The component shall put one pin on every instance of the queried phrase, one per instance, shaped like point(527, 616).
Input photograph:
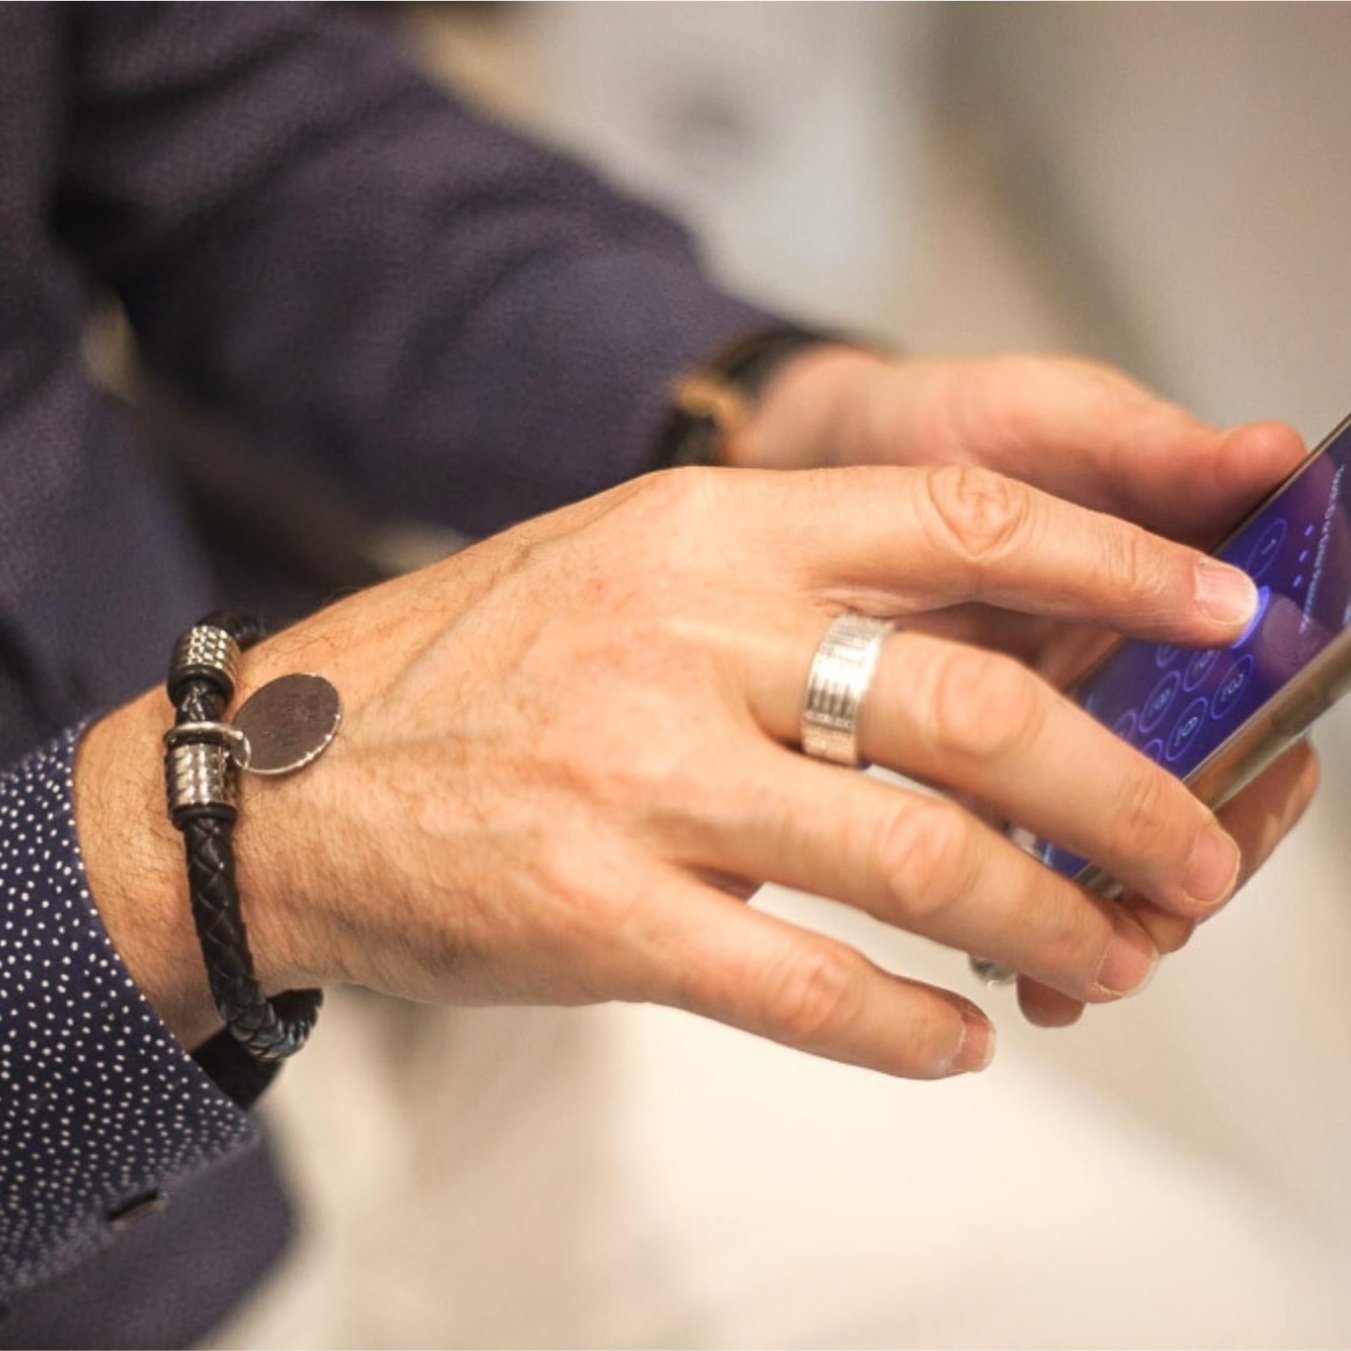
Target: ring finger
point(1259, 817)
point(920, 863)
point(981, 724)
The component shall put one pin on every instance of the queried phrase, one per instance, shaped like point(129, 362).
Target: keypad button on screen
point(1159, 699)
point(1267, 547)
point(1188, 725)
point(1199, 667)
point(1232, 687)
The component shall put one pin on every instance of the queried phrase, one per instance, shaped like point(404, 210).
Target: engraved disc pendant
point(287, 723)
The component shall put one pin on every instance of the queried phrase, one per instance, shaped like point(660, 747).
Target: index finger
point(899, 540)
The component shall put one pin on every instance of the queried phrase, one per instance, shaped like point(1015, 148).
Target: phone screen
point(1177, 705)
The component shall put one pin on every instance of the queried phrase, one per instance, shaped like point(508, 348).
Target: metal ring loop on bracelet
point(215, 733)
point(841, 672)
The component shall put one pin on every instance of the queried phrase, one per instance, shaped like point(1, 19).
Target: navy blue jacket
point(330, 255)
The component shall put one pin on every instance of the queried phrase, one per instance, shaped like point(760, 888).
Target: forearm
point(460, 321)
point(135, 865)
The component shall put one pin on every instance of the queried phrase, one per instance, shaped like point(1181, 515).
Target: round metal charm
point(288, 722)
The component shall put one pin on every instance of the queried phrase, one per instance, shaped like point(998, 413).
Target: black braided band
point(201, 685)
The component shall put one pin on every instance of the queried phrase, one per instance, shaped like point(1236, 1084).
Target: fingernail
point(1129, 963)
point(1212, 869)
point(976, 1049)
point(1224, 593)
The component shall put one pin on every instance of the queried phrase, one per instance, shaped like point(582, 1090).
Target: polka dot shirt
point(99, 1105)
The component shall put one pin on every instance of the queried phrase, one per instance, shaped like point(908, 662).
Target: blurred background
point(1163, 187)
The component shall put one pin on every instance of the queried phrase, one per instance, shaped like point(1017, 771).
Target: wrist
point(137, 871)
point(133, 860)
point(811, 412)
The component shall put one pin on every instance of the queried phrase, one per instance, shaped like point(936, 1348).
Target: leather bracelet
point(203, 759)
point(713, 402)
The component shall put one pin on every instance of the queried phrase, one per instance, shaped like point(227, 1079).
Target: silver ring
point(841, 671)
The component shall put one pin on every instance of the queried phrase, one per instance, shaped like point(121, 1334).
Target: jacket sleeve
point(313, 240)
point(101, 1110)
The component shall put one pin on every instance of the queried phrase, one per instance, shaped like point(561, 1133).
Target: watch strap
point(712, 402)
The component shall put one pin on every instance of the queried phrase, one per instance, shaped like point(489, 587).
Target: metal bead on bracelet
point(281, 728)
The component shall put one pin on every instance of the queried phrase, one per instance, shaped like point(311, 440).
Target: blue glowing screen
point(1176, 704)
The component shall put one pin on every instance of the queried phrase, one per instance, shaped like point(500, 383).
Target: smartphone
point(1215, 717)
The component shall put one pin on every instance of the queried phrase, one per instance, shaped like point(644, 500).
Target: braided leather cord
point(268, 1030)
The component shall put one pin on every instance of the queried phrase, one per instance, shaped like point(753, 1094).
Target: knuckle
point(976, 513)
point(1072, 934)
point(670, 516)
point(1144, 814)
point(1134, 564)
point(816, 995)
point(689, 489)
point(982, 706)
point(1066, 932)
point(924, 858)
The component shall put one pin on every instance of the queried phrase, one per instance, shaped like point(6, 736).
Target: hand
point(565, 761)
point(1073, 428)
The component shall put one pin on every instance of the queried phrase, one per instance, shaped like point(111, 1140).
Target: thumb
point(1089, 434)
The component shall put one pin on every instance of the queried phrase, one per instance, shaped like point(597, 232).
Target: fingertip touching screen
point(1177, 705)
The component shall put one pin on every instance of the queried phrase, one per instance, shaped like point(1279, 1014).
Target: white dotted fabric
point(98, 1102)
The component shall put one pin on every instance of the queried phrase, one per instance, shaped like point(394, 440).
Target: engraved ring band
point(841, 672)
